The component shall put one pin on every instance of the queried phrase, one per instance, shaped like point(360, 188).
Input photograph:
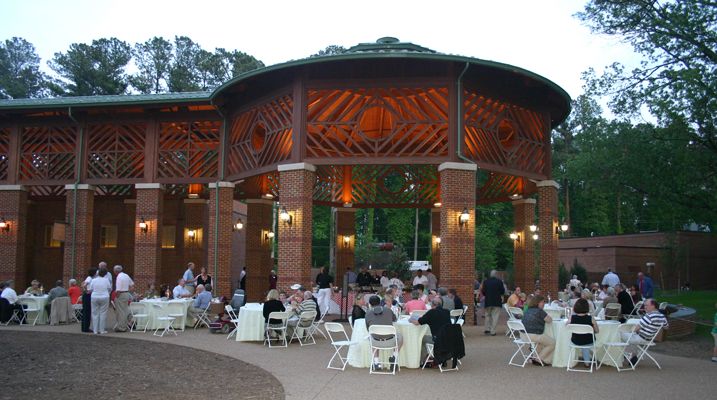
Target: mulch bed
point(39, 365)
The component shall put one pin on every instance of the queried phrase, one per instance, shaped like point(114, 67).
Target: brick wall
point(547, 222)
point(435, 246)
point(221, 253)
point(259, 217)
point(13, 207)
point(296, 189)
point(524, 248)
point(345, 227)
point(147, 245)
point(457, 256)
point(78, 246)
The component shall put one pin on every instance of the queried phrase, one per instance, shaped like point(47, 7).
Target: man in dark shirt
point(625, 301)
point(493, 290)
point(324, 280)
point(457, 302)
point(436, 318)
point(364, 278)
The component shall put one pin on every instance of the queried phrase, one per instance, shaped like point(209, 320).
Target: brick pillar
point(259, 219)
point(219, 251)
point(78, 233)
point(345, 228)
point(547, 222)
point(524, 246)
point(296, 189)
point(458, 192)
point(148, 245)
point(436, 242)
point(13, 209)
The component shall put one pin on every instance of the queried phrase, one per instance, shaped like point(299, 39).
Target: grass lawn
point(701, 300)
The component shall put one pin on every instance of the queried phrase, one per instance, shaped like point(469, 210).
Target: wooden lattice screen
point(47, 153)
point(4, 152)
point(115, 151)
point(188, 149)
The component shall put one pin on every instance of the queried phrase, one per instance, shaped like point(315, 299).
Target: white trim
point(524, 201)
point(80, 186)
point(547, 183)
point(213, 185)
point(14, 188)
point(148, 186)
point(294, 167)
point(456, 165)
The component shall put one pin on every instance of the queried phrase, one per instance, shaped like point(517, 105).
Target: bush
point(563, 276)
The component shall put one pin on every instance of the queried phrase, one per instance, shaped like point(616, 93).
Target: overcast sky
point(542, 36)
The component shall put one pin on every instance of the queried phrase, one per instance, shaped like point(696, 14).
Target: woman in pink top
point(415, 304)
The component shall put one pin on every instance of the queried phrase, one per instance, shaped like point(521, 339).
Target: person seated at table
point(534, 320)
point(202, 300)
point(635, 294)
point(57, 291)
point(581, 316)
point(165, 292)
point(358, 310)
point(151, 292)
point(35, 288)
point(308, 304)
point(380, 315)
point(514, 299)
point(272, 304)
point(602, 293)
point(457, 301)
point(415, 304)
point(623, 297)
point(388, 299)
point(436, 318)
point(588, 296)
point(74, 291)
point(447, 301)
point(180, 291)
point(9, 294)
point(396, 282)
point(283, 299)
point(649, 325)
point(431, 295)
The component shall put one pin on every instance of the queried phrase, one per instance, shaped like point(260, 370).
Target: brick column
point(259, 218)
point(547, 222)
point(436, 242)
point(345, 228)
point(148, 245)
point(524, 246)
point(219, 251)
point(78, 234)
point(296, 189)
point(458, 192)
point(13, 209)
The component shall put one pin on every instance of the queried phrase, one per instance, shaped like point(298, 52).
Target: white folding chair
point(139, 314)
point(418, 314)
point(338, 329)
point(304, 328)
point(580, 329)
point(465, 310)
point(430, 357)
point(277, 328)
point(164, 319)
point(643, 346)
point(526, 347)
point(388, 341)
point(456, 315)
point(618, 347)
point(233, 319)
point(612, 311)
point(77, 309)
point(31, 307)
point(316, 325)
point(177, 311)
point(203, 317)
point(15, 317)
point(636, 310)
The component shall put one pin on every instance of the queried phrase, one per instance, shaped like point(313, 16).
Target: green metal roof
point(108, 100)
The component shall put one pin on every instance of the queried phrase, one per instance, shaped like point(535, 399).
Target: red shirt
point(75, 292)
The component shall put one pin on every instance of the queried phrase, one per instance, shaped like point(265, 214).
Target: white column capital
point(139, 186)
point(213, 185)
point(547, 184)
point(13, 188)
point(456, 165)
point(297, 166)
point(524, 201)
point(80, 186)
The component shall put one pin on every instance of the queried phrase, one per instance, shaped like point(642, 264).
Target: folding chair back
point(515, 312)
point(139, 315)
point(580, 329)
point(612, 311)
point(277, 328)
point(339, 339)
point(637, 308)
point(230, 311)
point(526, 347)
point(383, 337)
point(456, 315)
point(304, 331)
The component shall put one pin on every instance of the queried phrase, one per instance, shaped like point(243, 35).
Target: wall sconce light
point(285, 217)
point(464, 217)
point(437, 204)
point(533, 228)
point(535, 236)
point(239, 225)
point(4, 225)
point(143, 227)
point(267, 196)
point(347, 241)
point(268, 235)
point(192, 234)
point(515, 236)
point(437, 241)
point(561, 228)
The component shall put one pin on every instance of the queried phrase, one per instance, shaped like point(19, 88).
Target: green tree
point(330, 50)
point(20, 75)
point(183, 73)
point(95, 69)
point(153, 59)
point(493, 247)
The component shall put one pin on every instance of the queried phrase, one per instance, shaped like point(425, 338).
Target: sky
point(542, 36)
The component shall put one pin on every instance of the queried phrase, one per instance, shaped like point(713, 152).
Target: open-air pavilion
point(150, 181)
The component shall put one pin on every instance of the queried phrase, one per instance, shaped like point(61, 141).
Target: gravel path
point(69, 366)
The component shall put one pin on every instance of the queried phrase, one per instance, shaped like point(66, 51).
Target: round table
point(409, 356)
point(179, 306)
point(36, 302)
point(251, 323)
point(607, 332)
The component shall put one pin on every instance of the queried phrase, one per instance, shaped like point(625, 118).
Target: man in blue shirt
point(645, 285)
point(204, 297)
point(189, 280)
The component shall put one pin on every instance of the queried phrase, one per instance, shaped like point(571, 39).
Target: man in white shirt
point(103, 265)
point(610, 279)
point(432, 280)
point(9, 294)
point(420, 279)
point(189, 279)
point(179, 291)
point(122, 287)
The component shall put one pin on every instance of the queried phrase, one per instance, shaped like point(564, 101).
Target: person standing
point(203, 278)
point(123, 284)
point(242, 279)
point(100, 298)
point(190, 281)
point(493, 290)
point(432, 280)
point(610, 279)
point(420, 279)
point(324, 280)
point(644, 283)
point(87, 301)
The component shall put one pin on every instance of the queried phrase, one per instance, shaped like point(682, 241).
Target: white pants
point(324, 300)
point(99, 313)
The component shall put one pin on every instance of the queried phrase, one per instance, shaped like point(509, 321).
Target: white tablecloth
point(251, 323)
point(608, 332)
point(179, 306)
point(38, 302)
point(410, 355)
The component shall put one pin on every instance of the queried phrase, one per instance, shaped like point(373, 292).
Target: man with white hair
point(204, 297)
point(103, 265)
point(493, 290)
point(611, 279)
point(123, 285)
point(179, 291)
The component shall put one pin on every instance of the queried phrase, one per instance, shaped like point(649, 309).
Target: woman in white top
point(101, 289)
